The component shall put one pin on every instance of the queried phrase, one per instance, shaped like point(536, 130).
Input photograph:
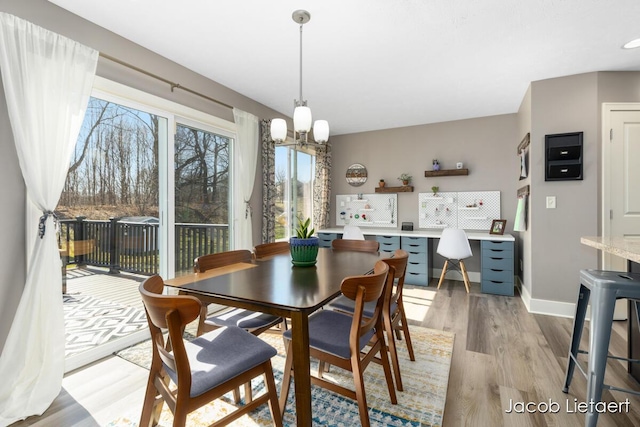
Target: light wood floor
point(501, 352)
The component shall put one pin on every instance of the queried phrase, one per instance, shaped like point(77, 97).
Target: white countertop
point(625, 248)
point(472, 235)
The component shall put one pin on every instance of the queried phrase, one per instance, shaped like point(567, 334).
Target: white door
point(623, 171)
point(621, 180)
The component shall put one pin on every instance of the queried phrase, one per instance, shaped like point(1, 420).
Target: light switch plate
point(551, 202)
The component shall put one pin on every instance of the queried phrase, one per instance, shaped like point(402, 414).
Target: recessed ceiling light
point(632, 44)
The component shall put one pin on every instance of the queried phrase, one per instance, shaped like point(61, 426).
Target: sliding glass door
point(201, 193)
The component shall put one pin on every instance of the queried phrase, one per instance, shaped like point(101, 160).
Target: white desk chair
point(454, 246)
point(352, 232)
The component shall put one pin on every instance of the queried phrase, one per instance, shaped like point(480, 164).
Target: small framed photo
point(498, 226)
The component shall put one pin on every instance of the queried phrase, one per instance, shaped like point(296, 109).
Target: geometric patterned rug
point(90, 322)
point(420, 404)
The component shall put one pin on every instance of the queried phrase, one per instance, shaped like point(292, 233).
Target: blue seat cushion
point(329, 332)
point(245, 319)
point(220, 355)
point(343, 303)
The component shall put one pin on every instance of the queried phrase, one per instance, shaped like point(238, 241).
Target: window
point(294, 179)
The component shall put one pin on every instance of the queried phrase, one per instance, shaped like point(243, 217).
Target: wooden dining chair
point(355, 245)
point(350, 342)
point(393, 314)
point(266, 250)
point(252, 321)
point(189, 374)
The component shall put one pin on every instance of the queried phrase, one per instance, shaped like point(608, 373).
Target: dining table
point(275, 286)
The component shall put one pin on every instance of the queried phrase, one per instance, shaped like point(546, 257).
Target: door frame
point(607, 109)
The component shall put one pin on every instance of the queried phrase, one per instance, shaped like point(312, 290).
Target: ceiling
point(378, 64)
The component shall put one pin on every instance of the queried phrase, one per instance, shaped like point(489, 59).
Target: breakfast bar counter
point(628, 249)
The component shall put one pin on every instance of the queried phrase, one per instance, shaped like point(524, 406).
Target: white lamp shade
point(278, 129)
point(321, 131)
point(302, 119)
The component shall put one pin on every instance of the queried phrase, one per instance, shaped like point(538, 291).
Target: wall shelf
point(403, 189)
point(446, 172)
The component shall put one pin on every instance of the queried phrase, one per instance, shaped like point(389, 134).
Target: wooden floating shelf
point(446, 172)
point(403, 189)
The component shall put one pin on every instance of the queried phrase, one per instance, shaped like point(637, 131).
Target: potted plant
point(435, 189)
point(304, 246)
point(381, 183)
point(405, 178)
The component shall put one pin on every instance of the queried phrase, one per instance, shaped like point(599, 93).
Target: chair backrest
point(269, 249)
point(172, 313)
point(352, 232)
point(399, 262)
point(355, 245)
point(454, 244)
point(220, 259)
point(363, 289)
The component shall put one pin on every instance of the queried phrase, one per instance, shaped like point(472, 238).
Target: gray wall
point(486, 146)
point(567, 104)
point(523, 238)
point(49, 16)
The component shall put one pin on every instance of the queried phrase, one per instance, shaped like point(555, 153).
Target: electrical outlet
point(551, 202)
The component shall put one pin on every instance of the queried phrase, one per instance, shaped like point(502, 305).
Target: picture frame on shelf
point(498, 226)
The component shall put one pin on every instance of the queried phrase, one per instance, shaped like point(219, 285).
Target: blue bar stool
point(603, 288)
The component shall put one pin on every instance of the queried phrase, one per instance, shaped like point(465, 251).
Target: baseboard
point(546, 307)
point(474, 276)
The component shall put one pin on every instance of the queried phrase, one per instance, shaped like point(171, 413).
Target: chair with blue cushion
point(349, 342)
point(189, 374)
point(393, 315)
point(252, 321)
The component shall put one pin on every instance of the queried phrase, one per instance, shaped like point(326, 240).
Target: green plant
point(435, 189)
point(382, 180)
point(404, 177)
point(303, 232)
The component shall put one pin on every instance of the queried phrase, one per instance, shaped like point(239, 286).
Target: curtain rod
point(162, 79)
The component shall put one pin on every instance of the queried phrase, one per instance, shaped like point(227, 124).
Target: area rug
point(90, 322)
point(420, 404)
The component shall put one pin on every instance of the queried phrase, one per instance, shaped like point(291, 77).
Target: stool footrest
point(607, 386)
point(626, 359)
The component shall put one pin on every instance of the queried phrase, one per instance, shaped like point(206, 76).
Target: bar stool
point(603, 288)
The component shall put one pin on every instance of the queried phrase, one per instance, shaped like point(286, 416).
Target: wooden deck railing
point(134, 246)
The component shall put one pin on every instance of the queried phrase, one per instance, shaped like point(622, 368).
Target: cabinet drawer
point(414, 244)
point(497, 287)
point(324, 239)
point(497, 262)
point(389, 247)
point(416, 279)
point(497, 253)
point(389, 240)
point(417, 257)
point(496, 245)
point(417, 267)
point(497, 275)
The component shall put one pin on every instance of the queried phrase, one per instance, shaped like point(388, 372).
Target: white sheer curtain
point(245, 161)
point(47, 80)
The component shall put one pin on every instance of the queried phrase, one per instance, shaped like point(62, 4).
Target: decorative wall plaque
point(356, 175)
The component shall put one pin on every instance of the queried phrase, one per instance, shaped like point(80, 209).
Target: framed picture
point(498, 226)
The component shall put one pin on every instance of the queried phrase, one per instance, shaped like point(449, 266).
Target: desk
point(274, 286)
point(628, 249)
point(497, 257)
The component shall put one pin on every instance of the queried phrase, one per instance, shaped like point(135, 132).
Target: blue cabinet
point(324, 239)
point(418, 265)
point(497, 267)
point(388, 244)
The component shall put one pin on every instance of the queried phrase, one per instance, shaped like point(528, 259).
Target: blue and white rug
point(420, 404)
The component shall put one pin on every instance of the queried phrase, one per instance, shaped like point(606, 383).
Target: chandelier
point(301, 113)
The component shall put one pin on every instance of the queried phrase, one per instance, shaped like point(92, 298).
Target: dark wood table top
point(275, 282)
